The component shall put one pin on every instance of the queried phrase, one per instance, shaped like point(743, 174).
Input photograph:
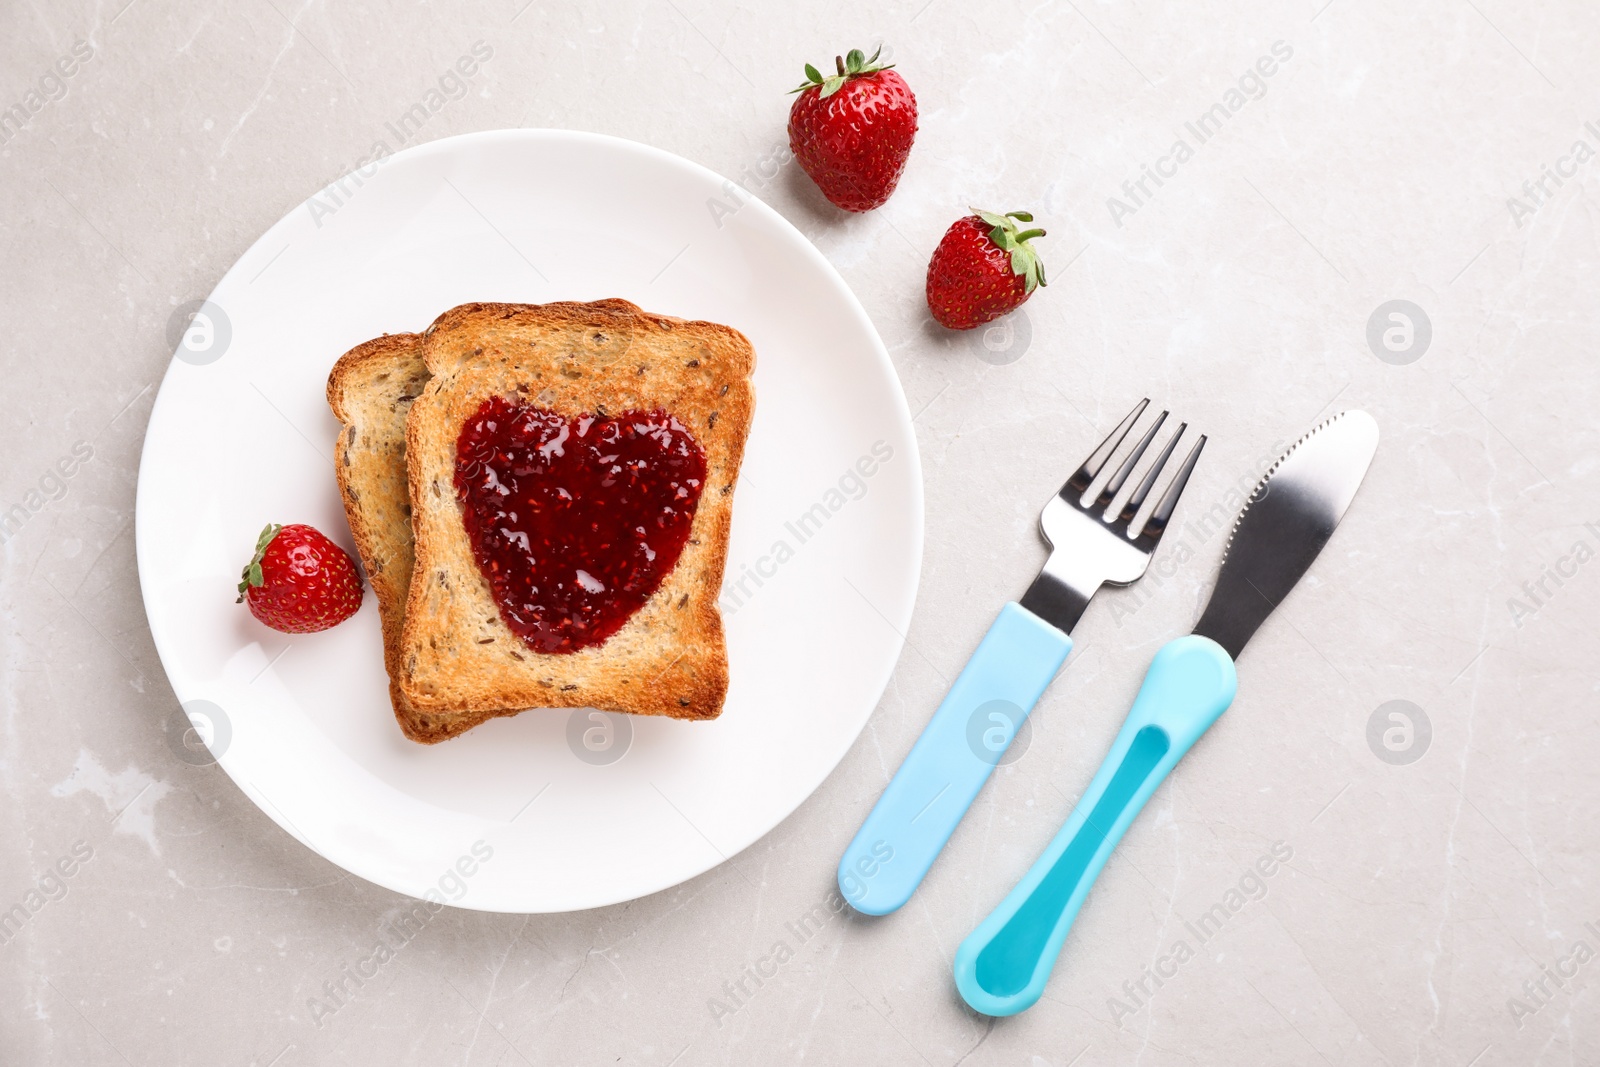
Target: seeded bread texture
point(457, 657)
point(370, 390)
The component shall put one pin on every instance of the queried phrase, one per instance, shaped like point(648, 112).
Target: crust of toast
point(370, 390)
point(457, 657)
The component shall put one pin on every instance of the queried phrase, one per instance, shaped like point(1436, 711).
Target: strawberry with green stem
point(298, 581)
point(983, 268)
point(852, 131)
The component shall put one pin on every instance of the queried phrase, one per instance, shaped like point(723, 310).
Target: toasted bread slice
point(370, 390)
point(457, 655)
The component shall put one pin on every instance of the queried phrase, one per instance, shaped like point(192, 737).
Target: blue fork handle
point(955, 755)
point(1002, 966)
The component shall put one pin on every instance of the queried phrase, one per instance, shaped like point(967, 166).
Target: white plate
point(241, 435)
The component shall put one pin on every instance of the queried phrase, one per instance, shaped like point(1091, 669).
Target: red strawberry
point(982, 269)
point(299, 581)
point(852, 131)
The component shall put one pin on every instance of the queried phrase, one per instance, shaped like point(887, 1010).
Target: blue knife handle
point(1002, 966)
point(955, 755)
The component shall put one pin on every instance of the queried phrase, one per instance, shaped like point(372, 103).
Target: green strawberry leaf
point(851, 65)
point(1005, 235)
point(252, 576)
point(813, 79)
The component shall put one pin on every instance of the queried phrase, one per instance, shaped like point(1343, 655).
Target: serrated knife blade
point(1284, 525)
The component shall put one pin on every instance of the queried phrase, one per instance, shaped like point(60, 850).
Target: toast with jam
point(571, 472)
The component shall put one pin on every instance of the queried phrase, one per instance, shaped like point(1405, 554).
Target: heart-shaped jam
point(575, 521)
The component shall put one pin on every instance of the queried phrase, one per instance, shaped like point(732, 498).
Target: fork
point(1090, 545)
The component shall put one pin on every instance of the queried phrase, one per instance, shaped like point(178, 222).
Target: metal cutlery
point(1003, 965)
point(1023, 650)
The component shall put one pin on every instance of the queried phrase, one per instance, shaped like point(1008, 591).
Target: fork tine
point(1079, 482)
point(1157, 523)
point(1115, 484)
point(1131, 508)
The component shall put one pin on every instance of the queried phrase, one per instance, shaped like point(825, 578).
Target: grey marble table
point(1235, 196)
